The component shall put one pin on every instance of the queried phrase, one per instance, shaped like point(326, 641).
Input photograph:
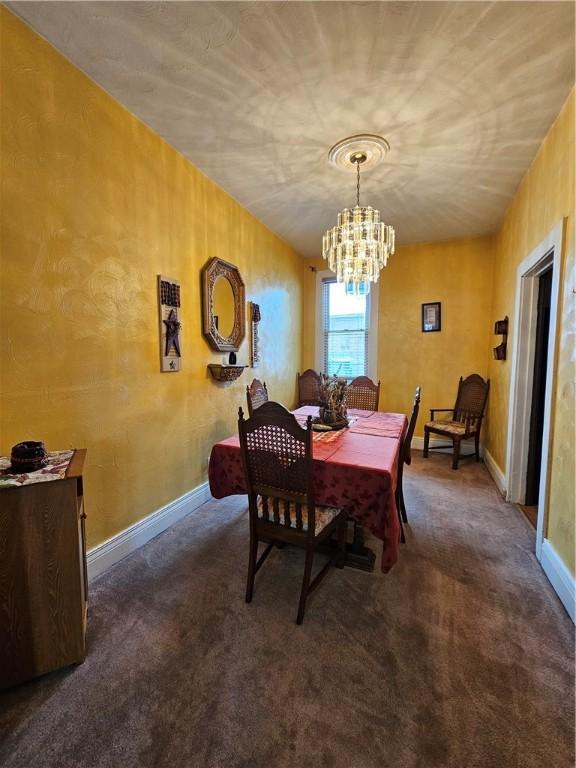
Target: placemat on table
point(377, 431)
point(361, 414)
point(351, 420)
point(327, 437)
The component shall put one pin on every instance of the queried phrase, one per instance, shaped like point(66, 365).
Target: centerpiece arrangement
point(333, 413)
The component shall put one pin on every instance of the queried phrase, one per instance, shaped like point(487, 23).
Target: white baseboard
point(418, 443)
point(104, 555)
point(496, 472)
point(560, 577)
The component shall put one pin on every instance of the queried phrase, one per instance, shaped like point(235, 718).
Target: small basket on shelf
point(28, 456)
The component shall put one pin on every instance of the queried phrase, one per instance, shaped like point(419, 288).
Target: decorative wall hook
point(501, 329)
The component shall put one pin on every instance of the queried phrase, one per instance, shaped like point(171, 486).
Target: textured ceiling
point(255, 94)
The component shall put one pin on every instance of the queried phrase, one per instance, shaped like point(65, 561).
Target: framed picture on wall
point(431, 317)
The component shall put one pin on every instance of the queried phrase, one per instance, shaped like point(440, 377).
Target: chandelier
point(359, 246)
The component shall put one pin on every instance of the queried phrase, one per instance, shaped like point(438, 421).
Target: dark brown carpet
point(461, 657)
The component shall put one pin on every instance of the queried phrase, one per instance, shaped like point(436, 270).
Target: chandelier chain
point(358, 182)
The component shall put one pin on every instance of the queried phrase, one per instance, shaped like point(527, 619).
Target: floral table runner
point(55, 469)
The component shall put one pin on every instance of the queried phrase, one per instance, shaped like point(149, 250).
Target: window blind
point(345, 326)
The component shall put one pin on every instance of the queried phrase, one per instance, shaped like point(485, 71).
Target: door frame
point(547, 253)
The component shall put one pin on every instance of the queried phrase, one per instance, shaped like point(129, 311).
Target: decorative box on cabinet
point(43, 579)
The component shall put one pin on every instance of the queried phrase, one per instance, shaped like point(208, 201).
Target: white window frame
point(372, 301)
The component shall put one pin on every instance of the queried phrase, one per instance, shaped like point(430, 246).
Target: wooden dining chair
point(308, 388)
point(406, 458)
point(278, 466)
point(362, 393)
point(256, 395)
point(465, 420)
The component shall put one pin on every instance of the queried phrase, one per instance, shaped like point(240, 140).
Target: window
point(345, 331)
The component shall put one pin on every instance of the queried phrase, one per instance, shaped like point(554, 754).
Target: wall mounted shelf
point(225, 372)
point(501, 329)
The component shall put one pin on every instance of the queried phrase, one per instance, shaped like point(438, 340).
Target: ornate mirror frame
point(214, 269)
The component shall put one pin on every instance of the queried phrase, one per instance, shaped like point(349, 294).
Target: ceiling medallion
point(374, 147)
point(358, 247)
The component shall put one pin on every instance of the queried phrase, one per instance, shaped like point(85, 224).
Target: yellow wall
point(94, 206)
point(545, 197)
point(456, 273)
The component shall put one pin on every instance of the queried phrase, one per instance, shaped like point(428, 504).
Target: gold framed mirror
point(223, 306)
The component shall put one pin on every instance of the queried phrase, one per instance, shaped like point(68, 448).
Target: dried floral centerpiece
point(332, 402)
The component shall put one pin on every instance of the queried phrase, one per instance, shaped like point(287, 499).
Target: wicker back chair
point(406, 457)
point(256, 395)
point(466, 417)
point(308, 388)
point(362, 393)
point(278, 465)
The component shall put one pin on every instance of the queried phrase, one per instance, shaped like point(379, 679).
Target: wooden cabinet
point(43, 578)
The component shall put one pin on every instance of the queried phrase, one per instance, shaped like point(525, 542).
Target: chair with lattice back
point(362, 393)
point(406, 458)
point(308, 388)
point(278, 466)
point(256, 395)
point(465, 421)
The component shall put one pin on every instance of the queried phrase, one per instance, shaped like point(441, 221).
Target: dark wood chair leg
point(358, 536)
point(305, 584)
point(402, 532)
point(426, 443)
point(477, 445)
point(456, 456)
point(399, 510)
point(340, 560)
point(400, 494)
point(400, 504)
point(403, 513)
point(251, 566)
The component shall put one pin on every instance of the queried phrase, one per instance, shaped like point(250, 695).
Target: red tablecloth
point(358, 471)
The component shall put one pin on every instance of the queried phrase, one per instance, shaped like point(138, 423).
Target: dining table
point(355, 468)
